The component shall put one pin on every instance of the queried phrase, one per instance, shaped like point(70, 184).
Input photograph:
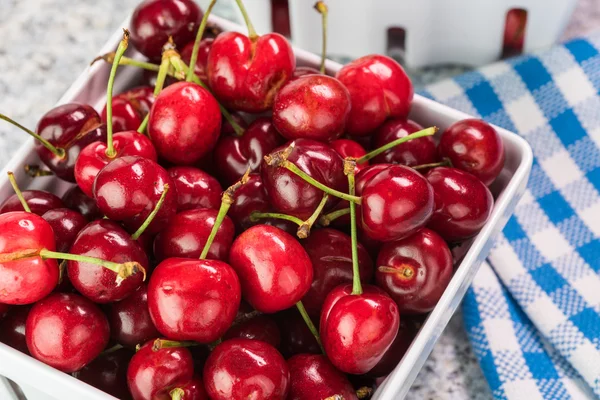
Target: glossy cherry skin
point(129, 108)
point(314, 377)
point(186, 235)
point(421, 268)
point(350, 148)
point(75, 199)
point(274, 269)
point(379, 88)
point(93, 157)
point(474, 146)
point(195, 188)
point(108, 373)
point(296, 338)
point(235, 154)
point(357, 330)
point(463, 204)
point(39, 201)
point(70, 127)
point(193, 390)
point(249, 198)
point(312, 107)
point(396, 202)
point(153, 374)
point(30, 279)
point(130, 320)
point(193, 299)
point(261, 327)
point(246, 74)
point(128, 189)
point(246, 369)
point(330, 252)
point(154, 21)
point(202, 60)
point(12, 328)
point(414, 152)
point(79, 331)
point(184, 123)
point(66, 224)
point(290, 194)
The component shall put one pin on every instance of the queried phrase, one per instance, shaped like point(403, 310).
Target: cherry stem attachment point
point(35, 171)
point(255, 216)
point(169, 344)
point(310, 324)
point(151, 216)
point(349, 168)
point(110, 149)
point(405, 272)
point(57, 151)
point(177, 394)
point(251, 31)
point(199, 35)
point(323, 10)
point(305, 226)
point(374, 153)
point(326, 219)
point(15, 186)
point(445, 163)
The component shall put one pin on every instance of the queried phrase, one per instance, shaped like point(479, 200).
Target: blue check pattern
point(533, 311)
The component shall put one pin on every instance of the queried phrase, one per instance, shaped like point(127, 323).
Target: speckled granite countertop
point(45, 44)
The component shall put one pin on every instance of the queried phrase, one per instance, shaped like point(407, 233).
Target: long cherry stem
point(349, 167)
point(251, 31)
point(57, 151)
point(15, 186)
point(310, 324)
point(199, 35)
point(323, 10)
point(326, 219)
point(169, 344)
point(151, 216)
point(110, 149)
point(305, 227)
point(109, 58)
point(445, 163)
point(374, 153)
point(142, 128)
point(255, 216)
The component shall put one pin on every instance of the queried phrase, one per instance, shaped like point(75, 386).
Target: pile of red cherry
point(171, 288)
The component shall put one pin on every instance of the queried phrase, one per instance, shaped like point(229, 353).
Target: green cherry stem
point(310, 324)
point(177, 394)
point(109, 58)
point(57, 151)
point(35, 171)
point(305, 227)
point(445, 163)
point(349, 166)
point(142, 128)
point(374, 153)
point(251, 31)
point(15, 186)
point(110, 149)
point(112, 349)
point(255, 216)
point(326, 219)
point(151, 216)
point(199, 35)
point(169, 344)
point(323, 10)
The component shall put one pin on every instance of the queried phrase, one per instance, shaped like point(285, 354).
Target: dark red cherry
point(296, 338)
point(474, 146)
point(202, 60)
point(152, 374)
point(312, 107)
point(261, 327)
point(75, 199)
point(249, 198)
point(379, 88)
point(246, 369)
point(396, 202)
point(128, 189)
point(245, 74)
point(463, 204)
point(330, 252)
point(314, 377)
point(357, 330)
point(187, 232)
point(130, 322)
point(129, 108)
point(193, 299)
point(70, 127)
point(289, 193)
point(108, 373)
point(235, 154)
point(154, 21)
point(3, 309)
point(195, 188)
point(274, 270)
point(184, 123)
point(79, 331)
point(39, 201)
point(350, 148)
point(66, 224)
point(414, 152)
point(415, 271)
point(12, 328)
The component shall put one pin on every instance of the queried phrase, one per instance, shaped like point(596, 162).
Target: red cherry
point(235, 154)
point(312, 107)
point(474, 146)
point(130, 320)
point(414, 152)
point(193, 299)
point(296, 338)
point(350, 148)
point(357, 330)
point(245, 73)
point(274, 269)
point(249, 198)
point(379, 88)
point(79, 331)
point(108, 373)
point(514, 31)
point(75, 199)
point(463, 204)
point(26, 280)
point(13, 328)
point(330, 252)
point(66, 224)
point(154, 21)
point(195, 188)
point(187, 232)
point(129, 108)
point(152, 374)
point(184, 123)
point(39, 201)
point(314, 377)
point(261, 327)
point(246, 369)
point(415, 271)
point(202, 60)
point(128, 188)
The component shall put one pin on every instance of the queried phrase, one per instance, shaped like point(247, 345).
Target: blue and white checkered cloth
point(533, 312)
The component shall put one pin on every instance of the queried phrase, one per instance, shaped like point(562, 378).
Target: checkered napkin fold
point(533, 311)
